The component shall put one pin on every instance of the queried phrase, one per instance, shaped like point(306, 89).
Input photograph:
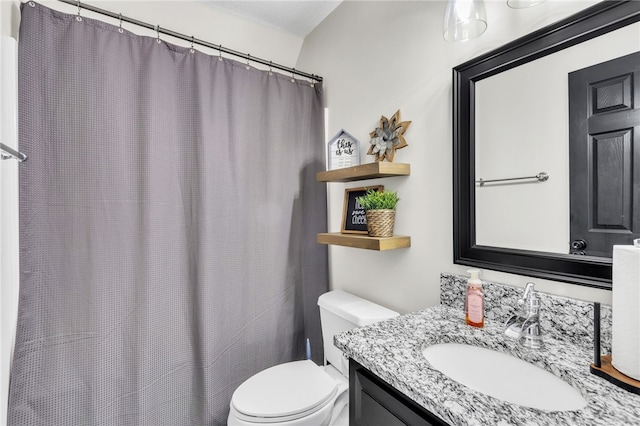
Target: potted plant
point(380, 211)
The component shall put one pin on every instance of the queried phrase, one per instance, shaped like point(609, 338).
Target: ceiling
point(297, 17)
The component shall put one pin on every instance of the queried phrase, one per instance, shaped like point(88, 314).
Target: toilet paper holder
point(602, 366)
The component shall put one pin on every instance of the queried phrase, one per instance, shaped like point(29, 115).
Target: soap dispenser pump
point(474, 300)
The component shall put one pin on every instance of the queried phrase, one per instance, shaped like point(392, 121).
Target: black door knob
point(578, 244)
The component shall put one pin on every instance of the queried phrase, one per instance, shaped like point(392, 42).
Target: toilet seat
point(283, 393)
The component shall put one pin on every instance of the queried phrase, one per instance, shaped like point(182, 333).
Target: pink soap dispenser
point(474, 301)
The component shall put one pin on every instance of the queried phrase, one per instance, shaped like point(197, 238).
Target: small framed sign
point(343, 150)
point(353, 217)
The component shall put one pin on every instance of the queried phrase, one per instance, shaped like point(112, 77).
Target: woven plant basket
point(380, 222)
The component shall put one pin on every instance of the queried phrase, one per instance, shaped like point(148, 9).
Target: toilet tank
point(341, 311)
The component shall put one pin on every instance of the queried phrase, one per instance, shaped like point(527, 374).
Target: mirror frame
point(589, 23)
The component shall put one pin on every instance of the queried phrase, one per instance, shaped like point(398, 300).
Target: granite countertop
point(392, 350)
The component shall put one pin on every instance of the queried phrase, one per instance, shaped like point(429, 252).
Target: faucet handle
point(527, 291)
point(530, 300)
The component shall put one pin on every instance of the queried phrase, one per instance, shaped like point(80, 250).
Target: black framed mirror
point(588, 24)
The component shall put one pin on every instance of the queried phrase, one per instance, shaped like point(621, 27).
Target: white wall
point(377, 57)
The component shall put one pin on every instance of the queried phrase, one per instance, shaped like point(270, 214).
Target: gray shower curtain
point(168, 214)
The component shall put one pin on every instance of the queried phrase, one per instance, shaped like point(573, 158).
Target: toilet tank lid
point(354, 309)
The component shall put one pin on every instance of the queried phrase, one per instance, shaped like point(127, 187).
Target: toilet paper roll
point(625, 345)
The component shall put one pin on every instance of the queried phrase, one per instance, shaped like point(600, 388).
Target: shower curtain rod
point(8, 153)
point(191, 39)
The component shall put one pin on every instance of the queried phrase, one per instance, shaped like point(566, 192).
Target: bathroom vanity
point(374, 402)
point(391, 381)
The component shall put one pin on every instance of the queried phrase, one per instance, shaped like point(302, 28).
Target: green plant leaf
point(379, 200)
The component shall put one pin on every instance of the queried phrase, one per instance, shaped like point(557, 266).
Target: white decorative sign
point(343, 150)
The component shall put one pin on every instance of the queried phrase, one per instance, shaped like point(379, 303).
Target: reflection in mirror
point(544, 205)
point(522, 129)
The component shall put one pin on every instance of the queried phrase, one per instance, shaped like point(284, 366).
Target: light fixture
point(522, 4)
point(464, 20)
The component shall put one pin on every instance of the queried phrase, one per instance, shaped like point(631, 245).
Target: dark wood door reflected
point(604, 151)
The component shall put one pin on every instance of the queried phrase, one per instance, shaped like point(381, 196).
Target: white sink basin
point(504, 377)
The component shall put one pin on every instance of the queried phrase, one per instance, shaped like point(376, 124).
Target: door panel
point(612, 175)
point(604, 149)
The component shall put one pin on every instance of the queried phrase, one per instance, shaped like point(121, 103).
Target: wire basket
point(380, 222)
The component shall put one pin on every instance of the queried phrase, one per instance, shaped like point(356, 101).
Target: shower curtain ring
point(120, 30)
point(248, 65)
point(158, 34)
point(220, 52)
point(293, 79)
point(192, 48)
point(78, 17)
point(270, 67)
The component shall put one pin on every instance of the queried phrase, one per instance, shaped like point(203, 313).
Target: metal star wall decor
point(388, 137)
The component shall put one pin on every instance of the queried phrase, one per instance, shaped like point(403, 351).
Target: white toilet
point(301, 392)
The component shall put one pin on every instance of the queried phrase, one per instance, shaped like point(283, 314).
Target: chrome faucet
point(525, 327)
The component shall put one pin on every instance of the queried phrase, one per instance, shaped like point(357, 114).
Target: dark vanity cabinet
point(373, 402)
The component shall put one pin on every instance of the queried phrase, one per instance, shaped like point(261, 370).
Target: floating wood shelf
point(364, 241)
point(378, 169)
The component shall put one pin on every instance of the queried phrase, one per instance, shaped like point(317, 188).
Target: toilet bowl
point(301, 393)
